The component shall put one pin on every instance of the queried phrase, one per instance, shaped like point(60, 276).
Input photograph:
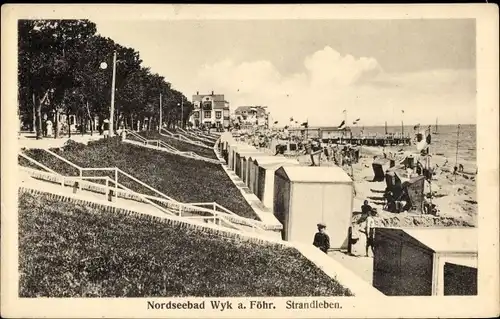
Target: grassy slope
point(67, 250)
point(184, 179)
point(203, 138)
point(180, 145)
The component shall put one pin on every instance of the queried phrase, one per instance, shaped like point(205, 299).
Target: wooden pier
point(346, 136)
point(371, 140)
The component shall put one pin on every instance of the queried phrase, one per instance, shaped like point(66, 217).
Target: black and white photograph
point(208, 165)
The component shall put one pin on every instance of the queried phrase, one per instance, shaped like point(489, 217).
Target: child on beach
point(321, 239)
point(366, 208)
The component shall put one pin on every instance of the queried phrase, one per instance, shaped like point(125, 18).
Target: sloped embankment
point(184, 179)
point(180, 145)
point(69, 250)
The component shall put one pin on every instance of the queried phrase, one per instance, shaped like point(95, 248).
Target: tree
point(59, 71)
point(47, 55)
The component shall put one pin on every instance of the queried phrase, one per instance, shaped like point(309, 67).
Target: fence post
point(76, 186)
point(349, 241)
point(116, 183)
point(62, 181)
point(81, 175)
point(107, 187)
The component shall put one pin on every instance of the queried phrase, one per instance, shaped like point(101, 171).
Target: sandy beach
point(455, 196)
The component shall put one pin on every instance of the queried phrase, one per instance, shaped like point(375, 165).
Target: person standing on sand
point(308, 150)
point(369, 230)
point(321, 239)
point(365, 208)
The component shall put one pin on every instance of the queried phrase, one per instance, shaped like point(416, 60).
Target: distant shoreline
point(360, 126)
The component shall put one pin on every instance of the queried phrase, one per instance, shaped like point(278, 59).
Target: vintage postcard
point(250, 161)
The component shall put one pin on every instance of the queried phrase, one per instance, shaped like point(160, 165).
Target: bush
point(182, 178)
point(67, 250)
point(71, 145)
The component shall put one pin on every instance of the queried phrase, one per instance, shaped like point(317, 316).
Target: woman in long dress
point(49, 128)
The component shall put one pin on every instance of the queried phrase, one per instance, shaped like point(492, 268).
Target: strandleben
point(315, 304)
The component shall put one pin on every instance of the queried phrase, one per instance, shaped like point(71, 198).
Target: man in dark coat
point(321, 239)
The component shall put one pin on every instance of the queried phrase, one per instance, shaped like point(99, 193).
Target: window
point(218, 114)
point(207, 105)
point(207, 114)
point(196, 115)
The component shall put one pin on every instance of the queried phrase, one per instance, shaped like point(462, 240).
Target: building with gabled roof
point(251, 115)
point(210, 110)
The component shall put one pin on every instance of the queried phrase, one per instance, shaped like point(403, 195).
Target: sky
point(314, 69)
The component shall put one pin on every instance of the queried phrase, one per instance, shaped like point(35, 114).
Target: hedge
point(67, 250)
point(182, 178)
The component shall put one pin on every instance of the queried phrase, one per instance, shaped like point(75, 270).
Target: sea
point(443, 142)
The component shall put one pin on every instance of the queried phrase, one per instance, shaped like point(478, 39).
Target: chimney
point(197, 93)
point(212, 92)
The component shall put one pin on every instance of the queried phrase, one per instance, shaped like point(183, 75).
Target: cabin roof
point(442, 240)
point(316, 174)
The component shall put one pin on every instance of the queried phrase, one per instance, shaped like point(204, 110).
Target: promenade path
point(28, 140)
point(358, 264)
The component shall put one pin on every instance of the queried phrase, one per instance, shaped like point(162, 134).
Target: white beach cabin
point(426, 261)
point(245, 157)
point(224, 140)
point(307, 195)
point(240, 157)
point(234, 148)
point(230, 153)
point(265, 180)
point(253, 167)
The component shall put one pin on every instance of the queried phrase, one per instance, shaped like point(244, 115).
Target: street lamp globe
point(104, 65)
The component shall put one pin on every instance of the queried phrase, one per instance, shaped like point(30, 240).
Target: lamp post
point(159, 128)
point(402, 125)
point(104, 66)
point(182, 110)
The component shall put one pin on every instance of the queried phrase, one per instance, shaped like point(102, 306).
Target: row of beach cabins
point(407, 261)
point(288, 189)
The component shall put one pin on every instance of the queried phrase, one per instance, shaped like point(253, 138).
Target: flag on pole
point(291, 119)
point(344, 111)
point(356, 121)
point(275, 122)
point(342, 125)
